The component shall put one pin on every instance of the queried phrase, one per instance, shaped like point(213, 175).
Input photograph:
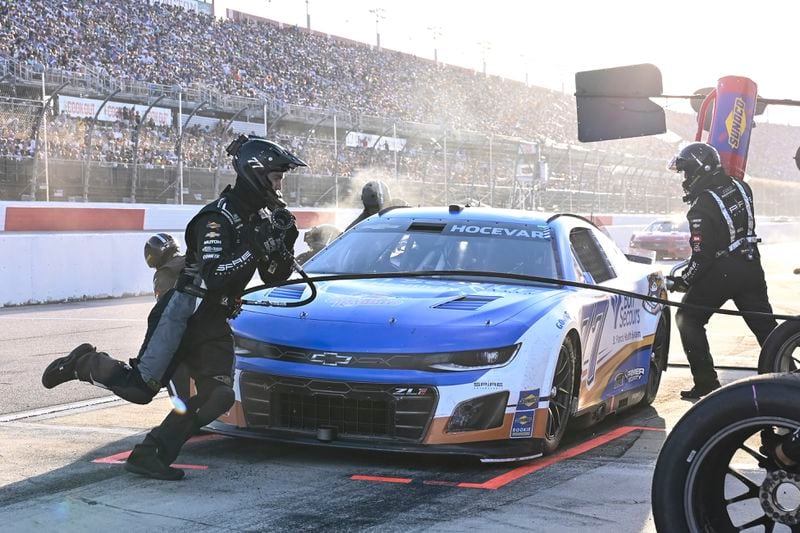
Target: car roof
point(478, 214)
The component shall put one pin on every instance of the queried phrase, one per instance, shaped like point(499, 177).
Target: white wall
point(47, 267)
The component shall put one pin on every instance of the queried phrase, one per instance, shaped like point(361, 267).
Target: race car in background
point(462, 362)
point(666, 237)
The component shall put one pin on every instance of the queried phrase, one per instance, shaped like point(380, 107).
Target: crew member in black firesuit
point(374, 195)
point(163, 254)
point(318, 238)
point(725, 262)
point(226, 242)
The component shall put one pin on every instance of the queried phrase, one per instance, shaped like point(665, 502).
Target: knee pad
point(218, 401)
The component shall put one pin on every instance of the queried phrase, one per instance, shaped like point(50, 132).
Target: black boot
point(698, 391)
point(145, 461)
point(63, 369)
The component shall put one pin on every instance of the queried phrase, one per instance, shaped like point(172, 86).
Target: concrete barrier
point(60, 251)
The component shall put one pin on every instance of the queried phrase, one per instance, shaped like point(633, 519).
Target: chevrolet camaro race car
point(462, 347)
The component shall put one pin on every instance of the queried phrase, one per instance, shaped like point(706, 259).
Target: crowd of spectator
point(159, 43)
point(165, 44)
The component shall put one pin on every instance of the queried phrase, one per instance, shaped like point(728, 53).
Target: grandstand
point(140, 101)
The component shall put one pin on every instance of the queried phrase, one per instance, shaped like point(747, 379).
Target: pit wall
point(54, 252)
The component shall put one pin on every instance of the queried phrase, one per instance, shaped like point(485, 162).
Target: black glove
point(676, 284)
point(266, 238)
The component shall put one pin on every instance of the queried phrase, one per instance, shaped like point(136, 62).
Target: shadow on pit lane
point(233, 456)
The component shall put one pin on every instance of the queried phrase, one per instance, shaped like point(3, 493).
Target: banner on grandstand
point(238, 126)
point(367, 140)
point(528, 165)
point(112, 112)
point(190, 5)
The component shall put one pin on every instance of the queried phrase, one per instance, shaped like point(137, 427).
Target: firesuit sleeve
point(221, 260)
point(702, 243)
point(162, 282)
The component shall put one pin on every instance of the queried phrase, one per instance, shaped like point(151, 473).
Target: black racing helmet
point(374, 195)
point(696, 161)
point(254, 158)
point(159, 249)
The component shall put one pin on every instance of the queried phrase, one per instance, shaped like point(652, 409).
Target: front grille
point(354, 409)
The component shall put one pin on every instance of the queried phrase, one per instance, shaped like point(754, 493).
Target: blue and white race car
point(465, 363)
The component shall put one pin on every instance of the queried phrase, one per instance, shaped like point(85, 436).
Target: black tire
point(658, 359)
point(715, 447)
point(562, 396)
point(781, 350)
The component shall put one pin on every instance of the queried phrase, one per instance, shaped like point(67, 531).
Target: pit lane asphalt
point(48, 479)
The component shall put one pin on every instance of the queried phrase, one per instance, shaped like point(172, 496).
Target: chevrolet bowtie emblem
point(331, 359)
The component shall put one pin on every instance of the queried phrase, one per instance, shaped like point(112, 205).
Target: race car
point(471, 343)
point(665, 237)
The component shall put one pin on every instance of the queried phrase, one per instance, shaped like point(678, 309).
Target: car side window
point(590, 255)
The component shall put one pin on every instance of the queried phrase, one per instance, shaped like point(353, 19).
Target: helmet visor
point(678, 164)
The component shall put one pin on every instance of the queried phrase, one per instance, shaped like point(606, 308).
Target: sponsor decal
point(255, 163)
point(212, 241)
point(528, 399)
point(736, 123)
point(626, 312)
point(522, 426)
point(487, 385)
point(357, 301)
point(655, 285)
point(540, 233)
point(410, 391)
point(634, 374)
point(213, 225)
point(211, 249)
point(212, 235)
point(628, 376)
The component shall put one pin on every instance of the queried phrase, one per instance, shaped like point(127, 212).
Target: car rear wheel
point(658, 357)
point(562, 396)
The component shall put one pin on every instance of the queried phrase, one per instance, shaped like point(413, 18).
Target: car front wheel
point(562, 396)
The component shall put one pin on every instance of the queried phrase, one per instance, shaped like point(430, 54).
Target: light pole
point(436, 31)
point(308, 18)
point(379, 13)
point(524, 59)
point(485, 47)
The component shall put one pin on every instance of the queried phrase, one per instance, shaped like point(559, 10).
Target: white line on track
point(84, 319)
point(74, 406)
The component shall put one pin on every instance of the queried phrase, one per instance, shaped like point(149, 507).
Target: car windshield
point(667, 226)
point(393, 246)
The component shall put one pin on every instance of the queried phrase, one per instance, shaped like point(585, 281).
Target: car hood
point(399, 315)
